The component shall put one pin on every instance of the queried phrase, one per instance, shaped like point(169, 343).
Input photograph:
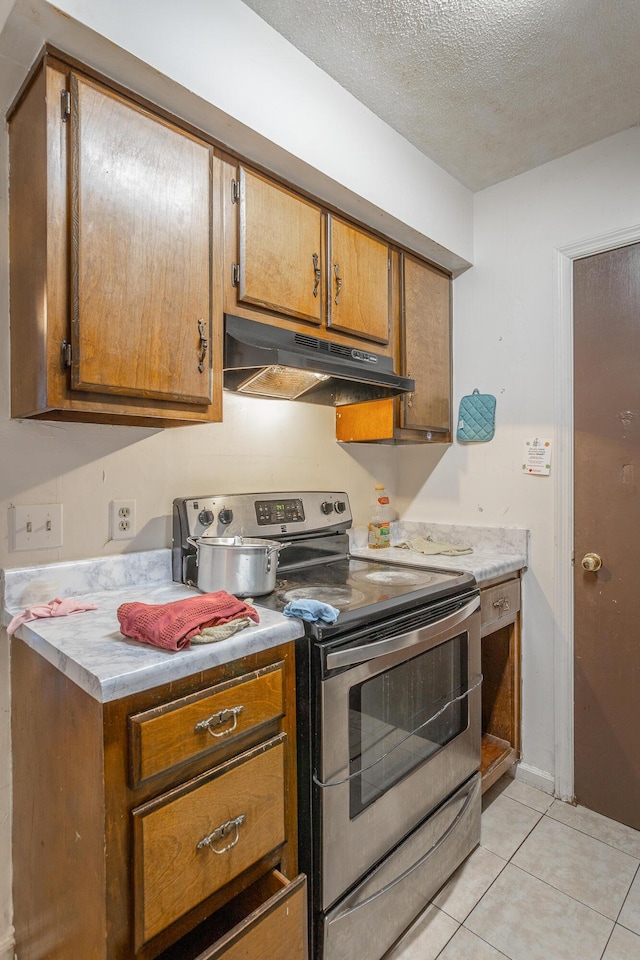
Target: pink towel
point(171, 625)
point(55, 608)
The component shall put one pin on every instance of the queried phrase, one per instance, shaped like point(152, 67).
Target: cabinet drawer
point(276, 928)
point(267, 920)
point(499, 605)
point(173, 734)
point(195, 839)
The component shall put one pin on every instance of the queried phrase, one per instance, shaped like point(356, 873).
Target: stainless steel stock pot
point(243, 566)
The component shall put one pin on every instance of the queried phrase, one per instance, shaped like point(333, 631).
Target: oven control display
point(279, 511)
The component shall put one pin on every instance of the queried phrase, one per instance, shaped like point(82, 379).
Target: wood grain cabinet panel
point(423, 352)
point(268, 920)
point(426, 347)
point(205, 833)
point(277, 928)
point(116, 289)
point(175, 733)
point(359, 282)
point(281, 249)
point(141, 257)
point(110, 870)
point(291, 263)
point(500, 630)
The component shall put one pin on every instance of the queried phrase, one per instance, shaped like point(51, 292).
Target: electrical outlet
point(36, 527)
point(122, 516)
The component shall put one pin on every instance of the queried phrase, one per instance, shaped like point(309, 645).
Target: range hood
point(265, 361)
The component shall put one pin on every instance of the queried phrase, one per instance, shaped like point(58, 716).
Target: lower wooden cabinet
point(130, 846)
point(192, 841)
point(500, 629)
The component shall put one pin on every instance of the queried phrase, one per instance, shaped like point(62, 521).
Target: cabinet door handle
point(317, 274)
point(410, 395)
point(204, 344)
point(231, 826)
point(502, 604)
point(217, 719)
point(336, 270)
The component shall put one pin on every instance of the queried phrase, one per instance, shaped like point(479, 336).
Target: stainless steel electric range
point(388, 706)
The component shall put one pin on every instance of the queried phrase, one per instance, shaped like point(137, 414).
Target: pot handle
point(276, 548)
point(279, 547)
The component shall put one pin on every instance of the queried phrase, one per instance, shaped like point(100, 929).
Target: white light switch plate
point(36, 527)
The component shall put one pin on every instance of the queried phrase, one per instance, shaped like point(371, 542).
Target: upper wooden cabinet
point(359, 281)
point(115, 312)
point(293, 261)
point(281, 249)
point(424, 354)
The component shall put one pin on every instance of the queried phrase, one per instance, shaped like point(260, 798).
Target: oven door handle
point(371, 651)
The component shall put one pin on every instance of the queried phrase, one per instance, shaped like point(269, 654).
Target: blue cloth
point(311, 610)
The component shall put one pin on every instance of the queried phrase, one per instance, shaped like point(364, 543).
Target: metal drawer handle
point(317, 273)
point(217, 719)
point(231, 826)
point(502, 604)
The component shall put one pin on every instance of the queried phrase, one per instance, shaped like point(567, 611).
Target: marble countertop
point(89, 648)
point(496, 551)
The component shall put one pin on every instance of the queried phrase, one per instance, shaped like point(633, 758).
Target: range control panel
point(279, 511)
point(261, 515)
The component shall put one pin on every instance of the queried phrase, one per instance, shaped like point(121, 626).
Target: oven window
point(400, 718)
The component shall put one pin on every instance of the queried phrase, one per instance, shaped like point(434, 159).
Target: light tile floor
point(549, 881)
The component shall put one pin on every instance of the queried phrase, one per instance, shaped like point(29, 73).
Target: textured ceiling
point(485, 88)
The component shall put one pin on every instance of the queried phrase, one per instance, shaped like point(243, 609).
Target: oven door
point(400, 730)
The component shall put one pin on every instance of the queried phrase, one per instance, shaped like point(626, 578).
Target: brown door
point(141, 251)
point(607, 523)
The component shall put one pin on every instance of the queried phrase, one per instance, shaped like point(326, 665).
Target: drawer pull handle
point(502, 604)
point(217, 719)
point(231, 826)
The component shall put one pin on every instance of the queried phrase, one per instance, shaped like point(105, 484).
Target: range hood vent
point(265, 361)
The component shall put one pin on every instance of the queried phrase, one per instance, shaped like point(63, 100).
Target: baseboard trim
point(535, 778)
point(7, 946)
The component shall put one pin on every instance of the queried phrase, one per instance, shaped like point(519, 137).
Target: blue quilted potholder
point(477, 418)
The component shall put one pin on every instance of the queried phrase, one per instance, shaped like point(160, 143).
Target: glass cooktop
point(362, 588)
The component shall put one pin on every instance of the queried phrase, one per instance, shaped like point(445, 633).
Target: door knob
point(591, 562)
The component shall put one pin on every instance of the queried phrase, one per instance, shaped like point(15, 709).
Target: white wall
point(504, 344)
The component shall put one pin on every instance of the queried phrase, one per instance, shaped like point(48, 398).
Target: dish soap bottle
point(380, 519)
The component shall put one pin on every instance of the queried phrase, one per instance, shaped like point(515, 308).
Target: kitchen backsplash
point(502, 540)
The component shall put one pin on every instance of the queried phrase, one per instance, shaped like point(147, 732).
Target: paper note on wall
point(537, 457)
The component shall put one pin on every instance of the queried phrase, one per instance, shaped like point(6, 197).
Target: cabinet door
point(281, 239)
point(141, 201)
point(359, 283)
point(426, 346)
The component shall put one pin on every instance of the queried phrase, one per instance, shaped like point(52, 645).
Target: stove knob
point(225, 516)
point(205, 517)
point(340, 506)
point(326, 506)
